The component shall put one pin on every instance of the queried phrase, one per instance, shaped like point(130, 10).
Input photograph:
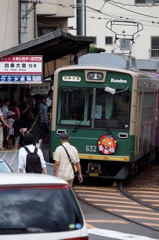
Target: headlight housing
point(95, 76)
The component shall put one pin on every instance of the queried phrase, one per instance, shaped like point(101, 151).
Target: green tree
point(93, 49)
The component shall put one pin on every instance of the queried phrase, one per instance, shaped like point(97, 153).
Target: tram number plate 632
point(91, 148)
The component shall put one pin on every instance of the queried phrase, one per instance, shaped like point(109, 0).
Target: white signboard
point(41, 89)
point(21, 69)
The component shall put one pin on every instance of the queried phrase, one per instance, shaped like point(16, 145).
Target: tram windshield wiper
point(74, 130)
point(106, 126)
point(80, 122)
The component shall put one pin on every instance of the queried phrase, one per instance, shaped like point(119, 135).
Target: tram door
point(138, 124)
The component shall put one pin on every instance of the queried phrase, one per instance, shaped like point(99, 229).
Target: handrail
point(34, 123)
point(35, 127)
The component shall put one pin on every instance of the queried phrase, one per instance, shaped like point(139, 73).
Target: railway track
point(123, 204)
point(148, 198)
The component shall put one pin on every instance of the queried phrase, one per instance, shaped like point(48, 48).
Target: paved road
point(101, 226)
point(99, 223)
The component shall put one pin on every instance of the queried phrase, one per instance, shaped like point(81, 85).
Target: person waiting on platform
point(49, 98)
point(24, 111)
point(28, 91)
point(15, 109)
point(10, 122)
point(44, 120)
point(5, 108)
point(31, 103)
point(2, 123)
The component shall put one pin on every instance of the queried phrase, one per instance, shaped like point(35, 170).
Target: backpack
point(33, 163)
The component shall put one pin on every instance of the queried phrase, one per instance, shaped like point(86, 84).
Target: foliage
point(93, 49)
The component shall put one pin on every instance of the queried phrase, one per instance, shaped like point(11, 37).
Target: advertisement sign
point(41, 89)
point(21, 69)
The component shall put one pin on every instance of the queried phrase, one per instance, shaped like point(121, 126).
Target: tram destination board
point(21, 69)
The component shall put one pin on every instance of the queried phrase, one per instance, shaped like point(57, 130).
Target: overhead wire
point(96, 10)
point(89, 9)
point(121, 17)
point(103, 6)
point(135, 5)
point(145, 15)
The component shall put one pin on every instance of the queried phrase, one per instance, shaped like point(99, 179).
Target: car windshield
point(4, 168)
point(38, 210)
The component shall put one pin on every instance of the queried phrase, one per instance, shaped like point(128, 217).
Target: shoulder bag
point(73, 165)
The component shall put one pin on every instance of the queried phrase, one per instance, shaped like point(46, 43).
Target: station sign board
point(41, 89)
point(21, 70)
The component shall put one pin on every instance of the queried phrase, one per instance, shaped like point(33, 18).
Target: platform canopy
point(51, 46)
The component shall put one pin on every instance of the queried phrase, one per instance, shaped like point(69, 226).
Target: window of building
point(155, 46)
point(108, 40)
point(155, 43)
point(143, 1)
point(45, 30)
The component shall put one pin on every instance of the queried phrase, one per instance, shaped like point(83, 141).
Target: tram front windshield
point(93, 108)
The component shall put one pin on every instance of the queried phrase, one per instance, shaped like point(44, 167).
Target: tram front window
point(112, 110)
point(73, 106)
point(93, 108)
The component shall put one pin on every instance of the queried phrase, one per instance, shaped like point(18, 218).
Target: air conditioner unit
point(125, 44)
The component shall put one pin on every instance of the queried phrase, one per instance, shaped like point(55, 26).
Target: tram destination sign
point(21, 69)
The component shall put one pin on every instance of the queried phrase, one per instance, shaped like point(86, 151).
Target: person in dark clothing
point(24, 111)
point(37, 98)
point(17, 132)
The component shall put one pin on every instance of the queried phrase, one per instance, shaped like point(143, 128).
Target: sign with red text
point(21, 69)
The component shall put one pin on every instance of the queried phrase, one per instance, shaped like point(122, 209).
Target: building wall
point(8, 24)
point(52, 8)
point(142, 46)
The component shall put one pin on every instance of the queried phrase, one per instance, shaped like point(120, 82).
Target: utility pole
point(23, 18)
point(79, 17)
point(23, 23)
point(85, 18)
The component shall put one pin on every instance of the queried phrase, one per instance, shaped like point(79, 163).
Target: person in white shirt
point(28, 142)
point(5, 108)
point(49, 98)
point(63, 168)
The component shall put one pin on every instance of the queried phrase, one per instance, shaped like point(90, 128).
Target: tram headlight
point(95, 76)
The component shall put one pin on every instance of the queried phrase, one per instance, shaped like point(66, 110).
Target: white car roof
point(1, 160)
point(28, 179)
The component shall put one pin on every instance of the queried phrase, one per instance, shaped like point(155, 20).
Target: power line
point(98, 10)
point(89, 9)
point(136, 5)
point(145, 15)
point(119, 18)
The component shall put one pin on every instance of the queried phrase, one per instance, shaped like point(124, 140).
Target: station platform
point(11, 157)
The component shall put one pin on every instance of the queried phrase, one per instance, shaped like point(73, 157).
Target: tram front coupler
point(94, 169)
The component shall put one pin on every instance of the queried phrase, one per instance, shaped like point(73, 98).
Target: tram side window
point(148, 105)
point(73, 106)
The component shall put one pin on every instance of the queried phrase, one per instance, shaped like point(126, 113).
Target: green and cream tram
point(110, 115)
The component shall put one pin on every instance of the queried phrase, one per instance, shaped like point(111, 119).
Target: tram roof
point(52, 46)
